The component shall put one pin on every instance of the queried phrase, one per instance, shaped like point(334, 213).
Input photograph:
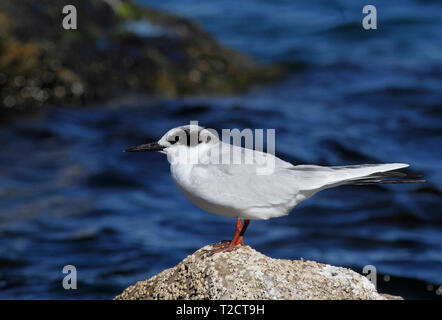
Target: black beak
point(153, 146)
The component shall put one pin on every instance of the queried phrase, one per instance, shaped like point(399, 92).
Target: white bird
point(237, 190)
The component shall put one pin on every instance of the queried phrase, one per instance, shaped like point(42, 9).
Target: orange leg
point(227, 246)
point(243, 230)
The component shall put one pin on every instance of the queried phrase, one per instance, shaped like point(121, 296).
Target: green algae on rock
point(117, 47)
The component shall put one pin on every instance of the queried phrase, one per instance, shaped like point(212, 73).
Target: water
point(69, 196)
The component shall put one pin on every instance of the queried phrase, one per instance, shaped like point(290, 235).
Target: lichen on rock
point(247, 274)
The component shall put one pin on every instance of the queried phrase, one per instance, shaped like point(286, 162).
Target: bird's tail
point(380, 177)
point(315, 178)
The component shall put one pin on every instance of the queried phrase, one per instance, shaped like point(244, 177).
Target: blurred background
point(72, 100)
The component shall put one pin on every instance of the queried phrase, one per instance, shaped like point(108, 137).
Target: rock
point(247, 274)
point(117, 47)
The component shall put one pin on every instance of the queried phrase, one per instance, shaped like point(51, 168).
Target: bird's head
point(183, 138)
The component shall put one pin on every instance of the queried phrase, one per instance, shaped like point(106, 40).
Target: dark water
point(68, 195)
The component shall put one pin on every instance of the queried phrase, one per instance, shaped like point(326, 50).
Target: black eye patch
point(187, 135)
point(189, 142)
point(174, 141)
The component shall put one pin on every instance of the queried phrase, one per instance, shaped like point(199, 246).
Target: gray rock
point(247, 274)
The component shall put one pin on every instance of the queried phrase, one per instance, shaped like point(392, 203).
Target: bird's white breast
point(196, 184)
point(212, 190)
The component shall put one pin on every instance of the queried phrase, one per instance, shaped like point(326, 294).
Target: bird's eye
point(174, 141)
point(204, 139)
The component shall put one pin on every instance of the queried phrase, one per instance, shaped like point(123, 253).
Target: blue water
point(69, 196)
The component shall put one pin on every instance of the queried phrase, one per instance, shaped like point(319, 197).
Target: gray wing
point(274, 194)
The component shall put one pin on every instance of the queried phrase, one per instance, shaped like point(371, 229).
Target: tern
point(237, 190)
